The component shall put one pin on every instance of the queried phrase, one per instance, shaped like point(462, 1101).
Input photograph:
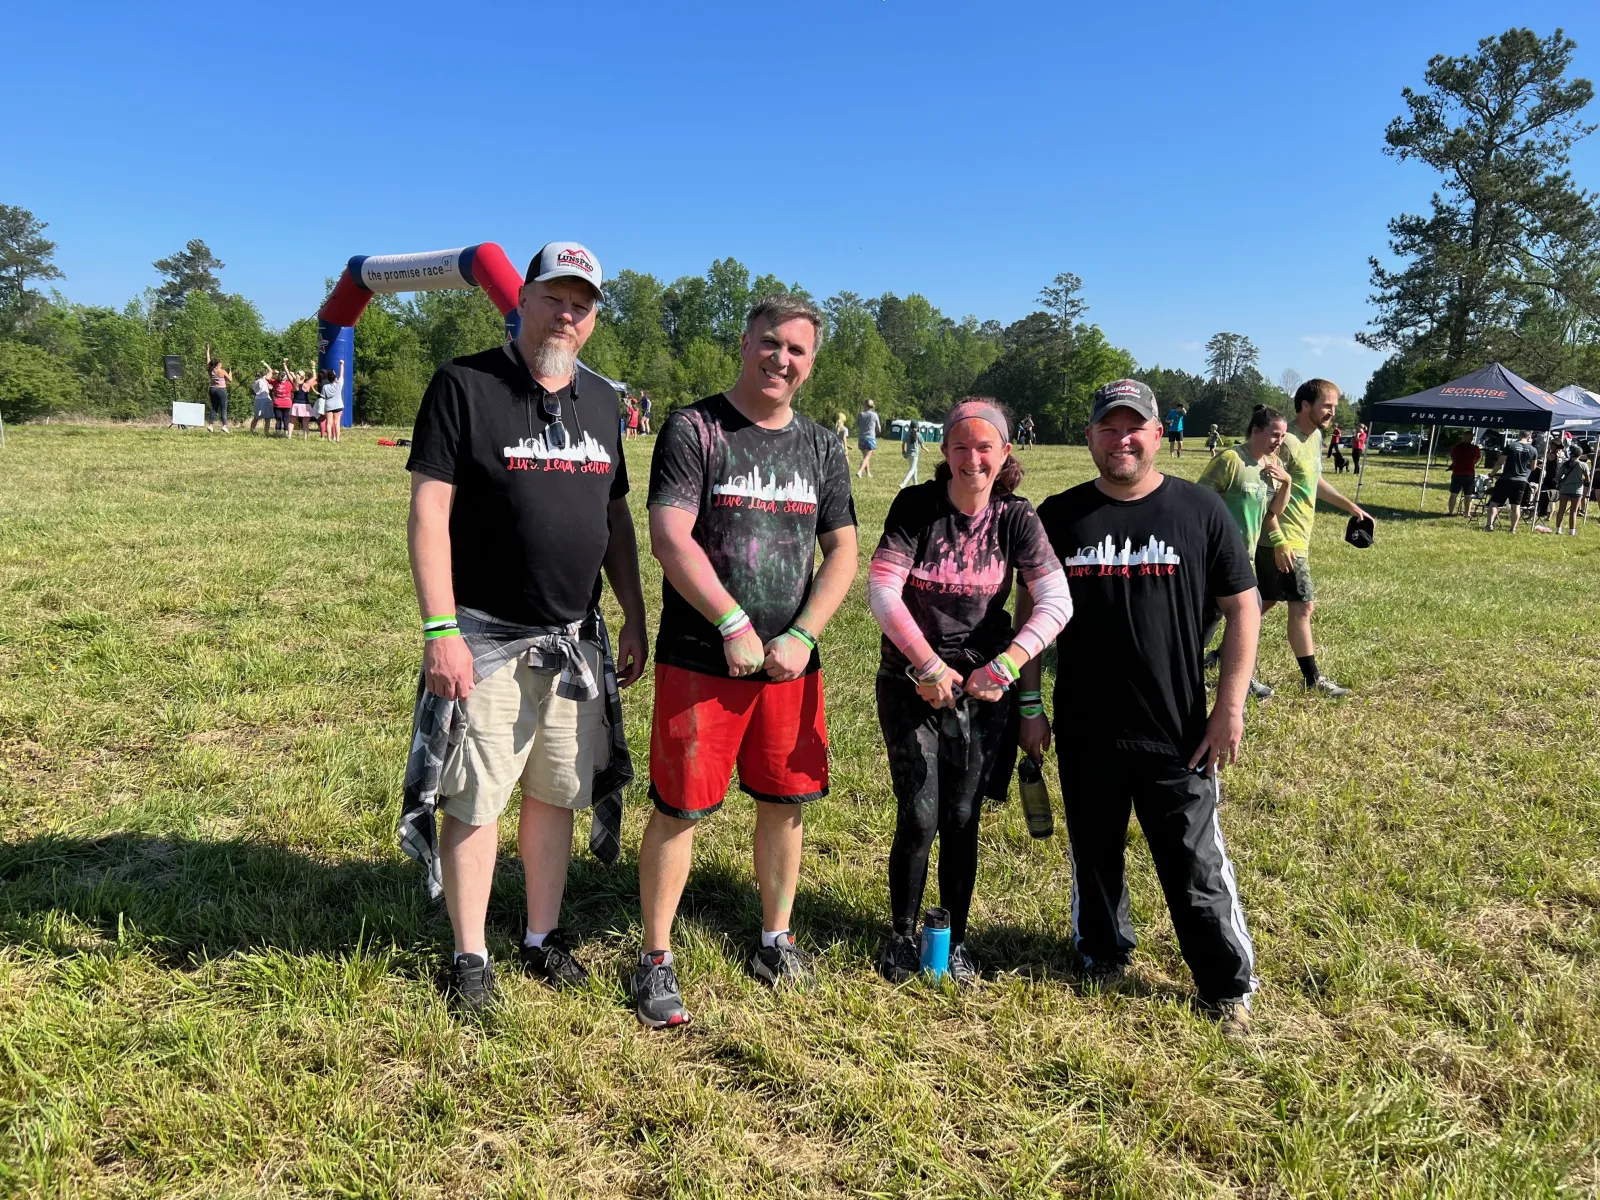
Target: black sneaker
point(470, 988)
point(900, 959)
point(783, 963)
point(1105, 976)
point(657, 999)
point(553, 961)
point(962, 969)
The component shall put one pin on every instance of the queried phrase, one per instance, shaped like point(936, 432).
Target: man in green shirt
point(1254, 488)
point(1283, 566)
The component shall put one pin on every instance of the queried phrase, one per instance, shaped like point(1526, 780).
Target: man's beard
point(554, 359)
point(1123, 471)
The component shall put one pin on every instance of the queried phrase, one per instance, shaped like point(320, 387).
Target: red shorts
point(704, 725)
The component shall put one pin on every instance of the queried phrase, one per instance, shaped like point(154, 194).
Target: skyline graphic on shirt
point(583, 449)
point(753, 487)
point(1106, 554)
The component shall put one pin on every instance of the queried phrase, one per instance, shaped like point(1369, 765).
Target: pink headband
point(980, 410)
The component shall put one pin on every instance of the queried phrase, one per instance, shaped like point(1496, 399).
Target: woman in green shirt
point(1254, 488)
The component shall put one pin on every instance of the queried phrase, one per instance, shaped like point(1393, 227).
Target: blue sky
point(1201, 168)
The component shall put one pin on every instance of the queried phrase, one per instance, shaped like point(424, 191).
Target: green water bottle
point(1035, 798)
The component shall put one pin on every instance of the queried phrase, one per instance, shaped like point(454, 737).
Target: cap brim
point(1099, 414)
point(566, 273)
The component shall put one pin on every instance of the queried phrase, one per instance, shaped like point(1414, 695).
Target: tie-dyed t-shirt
point(1302, 458)
point(960, 570)
point(760, 498)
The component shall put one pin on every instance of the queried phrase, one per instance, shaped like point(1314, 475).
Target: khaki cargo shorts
point(520, 731)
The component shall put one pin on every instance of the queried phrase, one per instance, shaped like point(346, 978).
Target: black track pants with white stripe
point(1177, 811)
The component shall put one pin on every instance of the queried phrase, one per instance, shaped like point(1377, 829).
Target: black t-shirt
point(760, 498)
point(1520, 457)
point(960, 570)
point(1129, 674)
point(529, 526)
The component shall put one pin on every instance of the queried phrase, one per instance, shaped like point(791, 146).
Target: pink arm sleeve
point(1052, 609)
point(885, 583)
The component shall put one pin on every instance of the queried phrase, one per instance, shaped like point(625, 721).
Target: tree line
point(678, 341)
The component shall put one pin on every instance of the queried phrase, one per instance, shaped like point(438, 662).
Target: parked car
point(1404, 443)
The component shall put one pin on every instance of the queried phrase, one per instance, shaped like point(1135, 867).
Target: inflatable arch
point(484, 265)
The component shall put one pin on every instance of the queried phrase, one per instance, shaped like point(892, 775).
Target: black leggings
point(939, 781)
point(219, 403)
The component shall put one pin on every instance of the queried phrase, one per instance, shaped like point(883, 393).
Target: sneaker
point(1105, 976)
point(553, 961)
point(471, 988)
point(783, 963)
point(962, 969)
point(1327, 687)
point(657, 999)
point(1260, 690)
point(900, 959)
point(1232, 1017)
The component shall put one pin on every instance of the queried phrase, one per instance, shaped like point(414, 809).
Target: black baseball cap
point(1359, 532)
point(1124, 393)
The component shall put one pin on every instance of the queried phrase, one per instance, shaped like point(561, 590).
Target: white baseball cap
point(559, 259)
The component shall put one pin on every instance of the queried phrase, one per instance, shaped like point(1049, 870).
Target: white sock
point(769, 938)
point(647, 958)
point(536, 940)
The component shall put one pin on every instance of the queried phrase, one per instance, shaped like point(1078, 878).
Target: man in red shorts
point(743, 490)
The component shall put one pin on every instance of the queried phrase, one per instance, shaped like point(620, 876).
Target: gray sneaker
point(962, 969)
point(1260, 690)
point(657, 999)
point(783, 963)
point(1327, 687)
point(899, 960)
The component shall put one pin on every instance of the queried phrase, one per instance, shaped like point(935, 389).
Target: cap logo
point(574, 258)
point(1120, 389)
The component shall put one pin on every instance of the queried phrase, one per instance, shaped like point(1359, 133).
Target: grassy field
point(215, 965)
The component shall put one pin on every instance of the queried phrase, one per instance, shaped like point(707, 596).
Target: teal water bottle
point(936, 943)
point(1035, 798)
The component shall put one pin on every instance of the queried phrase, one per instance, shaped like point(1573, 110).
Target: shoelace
point(661, 981)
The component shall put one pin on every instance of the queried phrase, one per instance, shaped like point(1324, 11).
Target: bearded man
point(518, 499)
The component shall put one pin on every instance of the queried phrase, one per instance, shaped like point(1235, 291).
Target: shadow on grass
point(189, 900)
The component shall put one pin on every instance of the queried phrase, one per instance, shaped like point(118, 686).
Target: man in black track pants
point(1143, 553)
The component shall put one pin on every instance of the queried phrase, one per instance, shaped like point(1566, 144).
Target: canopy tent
point(1589, 401)
point(1490, 397)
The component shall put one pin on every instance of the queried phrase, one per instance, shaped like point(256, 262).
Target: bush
point(35, 383)
point(392, 395)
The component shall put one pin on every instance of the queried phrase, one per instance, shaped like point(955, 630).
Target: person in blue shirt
point(1174, 423)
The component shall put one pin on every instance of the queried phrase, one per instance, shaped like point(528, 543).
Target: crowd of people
point(519, 487)
point(1537, 474)
point(286, 401)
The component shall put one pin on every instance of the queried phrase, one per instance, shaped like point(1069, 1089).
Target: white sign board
point(188, 414)
point(429, 271)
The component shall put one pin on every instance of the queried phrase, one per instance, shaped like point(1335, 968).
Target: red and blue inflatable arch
point(484, 266)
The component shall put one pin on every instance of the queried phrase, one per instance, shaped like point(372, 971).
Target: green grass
point(216, 968)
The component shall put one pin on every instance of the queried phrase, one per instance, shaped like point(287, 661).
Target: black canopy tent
point(1491, 397)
